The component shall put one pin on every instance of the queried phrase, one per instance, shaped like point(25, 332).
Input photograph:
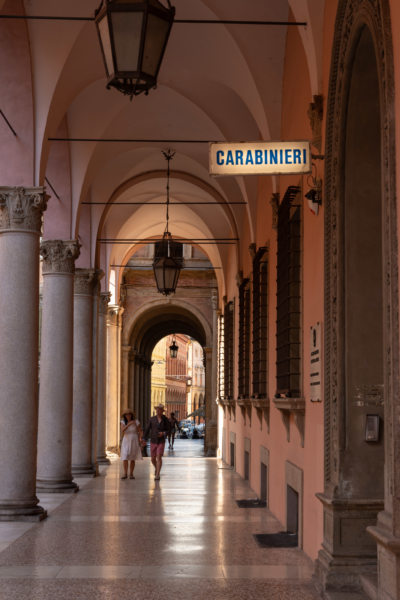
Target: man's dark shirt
point(154, 427)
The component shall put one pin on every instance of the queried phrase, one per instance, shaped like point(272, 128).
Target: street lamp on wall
point(173, 349)
point(133, 35)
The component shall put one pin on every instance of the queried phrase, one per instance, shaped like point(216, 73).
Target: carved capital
point(85, 281)
point(98, 276)
point(21, 209)
point(214, 299)
point(104, 300)
point(114, 311)
point(59, 256)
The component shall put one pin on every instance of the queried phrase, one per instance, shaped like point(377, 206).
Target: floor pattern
point(142, 539)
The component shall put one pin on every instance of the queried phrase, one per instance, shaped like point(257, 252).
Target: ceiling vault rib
point(176, 21)
point(161, 203)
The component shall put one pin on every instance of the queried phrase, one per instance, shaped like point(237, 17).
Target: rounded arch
point(158, 319)
point(362, 33)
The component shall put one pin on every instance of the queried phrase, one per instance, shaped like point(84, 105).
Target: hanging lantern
point(168, 254)
point(133, 36)
point(167, 264)
point(173, 349)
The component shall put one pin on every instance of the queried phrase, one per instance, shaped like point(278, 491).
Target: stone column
point(125, 399)
point(56, 361)
point(95, 349)
point(21, 212)
point(101, 381)
point(211, 437)
point(82, 463)
point(112, 386)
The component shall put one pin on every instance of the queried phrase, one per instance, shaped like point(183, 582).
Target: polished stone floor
point(183, 536)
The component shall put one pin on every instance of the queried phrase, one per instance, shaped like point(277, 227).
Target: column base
point(388, 559)
point(103, 460)
point(348, 550)
point(84, 471)
point(48, 486)
point(17, 512)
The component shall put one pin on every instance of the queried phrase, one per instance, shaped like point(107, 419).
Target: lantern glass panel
point(106, 43)
point(156, 38)
point(127, 28)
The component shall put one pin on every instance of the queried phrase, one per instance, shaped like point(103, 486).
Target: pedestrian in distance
point(157, 429)
point(131, 436)
point(174, 425)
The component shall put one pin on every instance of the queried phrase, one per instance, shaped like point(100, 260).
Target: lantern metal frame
point(137, 81)
point(168, 253)
point(173, 349)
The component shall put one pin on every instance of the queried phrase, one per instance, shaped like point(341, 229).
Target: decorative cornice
point(105, 298)
point(85, 281)
point(21, 209)
point(59, 256)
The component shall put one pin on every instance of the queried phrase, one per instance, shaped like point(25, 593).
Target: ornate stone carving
point(351, 13)
point(274, 202)
point(21, 209)
point(315, 114)
point(59, 256)
point(105, 298)
point(85, 281)
point(214, 299)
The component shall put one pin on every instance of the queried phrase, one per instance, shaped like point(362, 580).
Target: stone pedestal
point(21, 212)
point(82, 462)
point(101, 380)
point(56, 358)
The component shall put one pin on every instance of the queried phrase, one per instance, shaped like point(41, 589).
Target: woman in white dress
point(131, 434)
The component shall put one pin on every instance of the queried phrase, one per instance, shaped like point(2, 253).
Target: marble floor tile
point(184, 536)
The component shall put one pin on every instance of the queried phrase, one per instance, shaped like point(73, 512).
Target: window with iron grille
point(244, 339)
point(260, 324)
point(221, 357)
point(288, 325)
point(229, 315)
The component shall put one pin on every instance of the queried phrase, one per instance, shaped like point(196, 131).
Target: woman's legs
point(125, 464)
point(131, 468)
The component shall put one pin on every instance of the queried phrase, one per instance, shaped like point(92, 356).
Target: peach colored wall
point(295, 125)
point(16, 153)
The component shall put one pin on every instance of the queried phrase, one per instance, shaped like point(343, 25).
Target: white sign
point(315, 364)
point(260, 158)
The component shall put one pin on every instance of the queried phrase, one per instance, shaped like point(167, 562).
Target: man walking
point(157, 428)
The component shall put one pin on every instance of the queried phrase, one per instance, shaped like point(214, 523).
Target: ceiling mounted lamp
point(173, 349)
point(168, 254)
point(133, 36)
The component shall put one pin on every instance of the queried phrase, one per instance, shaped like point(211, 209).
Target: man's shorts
point(157, 449)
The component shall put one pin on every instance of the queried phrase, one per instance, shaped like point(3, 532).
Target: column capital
point(104, 300)
point(114, 311)
point(85, 281)
point(214, 299)
point(59, 256)
point(21, 209)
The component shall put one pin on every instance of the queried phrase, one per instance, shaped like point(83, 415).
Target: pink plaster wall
point(16, 101)
point(295, 125)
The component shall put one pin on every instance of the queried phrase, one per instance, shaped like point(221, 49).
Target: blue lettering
point(220, 157)
point(229, 158)
point(288, 157)
point(304, 156)
point(273, 157)
point(266, 157)
point(281, 156)
point(259, 158)
point(296, 156)
point(239, 157)
point(249, 158)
